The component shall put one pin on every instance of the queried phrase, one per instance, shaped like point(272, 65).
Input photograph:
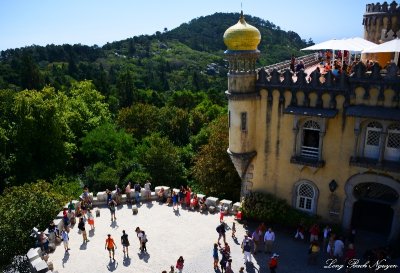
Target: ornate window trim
point(305, 196)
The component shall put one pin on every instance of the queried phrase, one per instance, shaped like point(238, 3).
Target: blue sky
point(89, 22)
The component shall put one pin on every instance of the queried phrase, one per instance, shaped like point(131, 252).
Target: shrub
point(268, 208)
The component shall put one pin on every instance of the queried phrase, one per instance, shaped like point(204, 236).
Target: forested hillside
point(148, 107)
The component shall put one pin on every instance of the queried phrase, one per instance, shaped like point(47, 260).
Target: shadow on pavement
point(65, 258)
point(112, 265)
point(127, 261)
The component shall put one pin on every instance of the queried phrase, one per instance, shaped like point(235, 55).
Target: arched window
point(310, 144)
point(392, 147)
point(305, 197)
point(372, 140)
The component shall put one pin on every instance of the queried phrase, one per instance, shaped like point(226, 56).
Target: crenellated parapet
point(381, 21)
point(323, 85)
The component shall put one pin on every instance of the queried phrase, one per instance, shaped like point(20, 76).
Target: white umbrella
point(391, 46)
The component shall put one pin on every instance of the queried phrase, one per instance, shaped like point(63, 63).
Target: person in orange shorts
point(110, 246)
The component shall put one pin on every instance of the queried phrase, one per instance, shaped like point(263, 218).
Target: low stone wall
point(39, 260)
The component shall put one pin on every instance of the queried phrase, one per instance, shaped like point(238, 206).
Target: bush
point(268, 208)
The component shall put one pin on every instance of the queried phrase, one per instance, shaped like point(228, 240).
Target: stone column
point(382, 144)
point(321, 144)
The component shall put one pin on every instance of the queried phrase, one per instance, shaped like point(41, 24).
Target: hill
point(188, 57)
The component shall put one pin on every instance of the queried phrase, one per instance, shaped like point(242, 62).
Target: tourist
point(223, 262)
point(292, 62)
point(241, 270)
point(125, 243)
point(188, 196)
point(90, 219)
point(179, 264)
point(326, 233)
point(221, 232)
point(137, 192)
point(194, 202)
point(299, 231)
point(300, 66)
point(65, 239)
point(269, 239)
point(273, 263)
point(349, 256)
point(256, 237)
point(109, 196)
point(143, 241)
point(338, 248)
point(110, 246)
point(128, 191)
point(182, 194)
point(112, 206)
point(71, 209)
point(44, 242)
point(81, 227)
point(118, 195)
point(202, 204)
point(228, 268)
point(313, 253)
point(147, 188)
point(175, 200)
point(53, 229)
point(172, 269)
point(314, 232)
point(161, 195)
point(215, 256)
point(246, 247)
point(227, 249)
point(330, 249)
point(221, 214)
point(234, 230)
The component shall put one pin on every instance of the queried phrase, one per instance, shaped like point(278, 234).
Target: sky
point(89, 22)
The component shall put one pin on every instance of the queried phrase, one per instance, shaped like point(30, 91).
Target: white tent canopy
point(391, 46)
point(352, 44)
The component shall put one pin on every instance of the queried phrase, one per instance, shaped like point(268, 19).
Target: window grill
point(305, 197)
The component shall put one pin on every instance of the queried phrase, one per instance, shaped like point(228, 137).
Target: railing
point(309, 60)
point(310, 152)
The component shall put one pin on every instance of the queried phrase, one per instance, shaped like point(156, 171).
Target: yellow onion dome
point(242, 36)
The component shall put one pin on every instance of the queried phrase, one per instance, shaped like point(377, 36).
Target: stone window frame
point(298, 130)
point(296, 198)
point(360, 131)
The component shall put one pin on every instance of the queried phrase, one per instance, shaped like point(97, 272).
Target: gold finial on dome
point(242, 36)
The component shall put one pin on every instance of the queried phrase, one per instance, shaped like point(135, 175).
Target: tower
point(242, 40)
point(381, 24)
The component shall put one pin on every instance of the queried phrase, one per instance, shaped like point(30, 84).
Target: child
point(179, 264)
point(175, 200)
point(221, 214)
point(273, 263)
point(90, 219)
point(215, 256)
point(233, 230)
point(241, 270)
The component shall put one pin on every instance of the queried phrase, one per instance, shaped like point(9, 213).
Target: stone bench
point(33, 254)
point(235, 207)
point(212, 201)
point(225, 205)
point(101, 196)
point(39, 266)
point(134, 209)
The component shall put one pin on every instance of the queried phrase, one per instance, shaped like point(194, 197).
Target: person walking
point(221, 232)
point(314, 232)
point(175, 200)
point(246, 247)
point(110, 246)
point(313, 253)
point(137, 188)
point(179, 264)
point(143, 241)
point(269, 239)
point(233, 230)
point(256, 237)
point(81, 227)
point(125, 243)
point(112, 206)
point(273, 263)
point(65, 239)
point(215, 256)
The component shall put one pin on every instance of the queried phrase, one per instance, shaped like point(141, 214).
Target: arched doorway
point(373, 204)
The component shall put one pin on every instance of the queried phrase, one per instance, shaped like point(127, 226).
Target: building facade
point(329, 146)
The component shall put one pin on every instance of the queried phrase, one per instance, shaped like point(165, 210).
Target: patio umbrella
point(391, 46)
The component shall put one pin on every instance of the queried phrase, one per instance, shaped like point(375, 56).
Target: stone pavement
point(170, 234)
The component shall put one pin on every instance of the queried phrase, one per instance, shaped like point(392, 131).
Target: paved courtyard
point(171, 234)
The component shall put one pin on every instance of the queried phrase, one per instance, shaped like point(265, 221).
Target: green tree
point(31, 77)
point(140, 120)
point(40, 134)
point(161, 159)
point(174, 123)
point(41, 203)
point(213, 169)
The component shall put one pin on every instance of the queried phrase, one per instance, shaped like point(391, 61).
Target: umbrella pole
point(396, 58)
